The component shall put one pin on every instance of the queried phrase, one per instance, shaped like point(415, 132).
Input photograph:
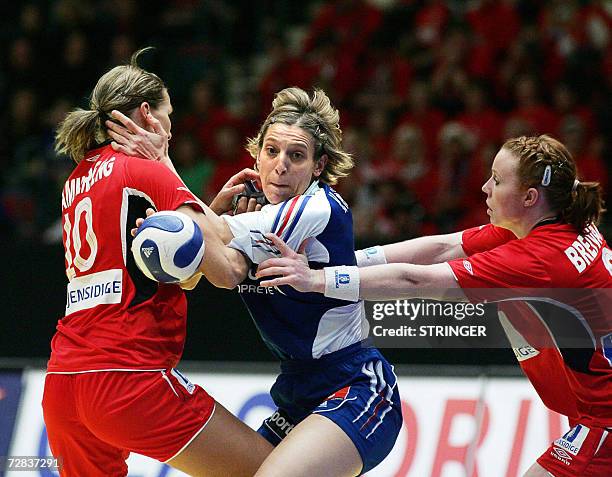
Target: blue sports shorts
point(355, 387)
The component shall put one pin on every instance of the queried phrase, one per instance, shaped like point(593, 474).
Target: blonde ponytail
point(77, 133)
point(123, 88)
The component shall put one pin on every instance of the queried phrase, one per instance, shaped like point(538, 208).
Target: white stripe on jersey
point(604, 435)
point(334, 195)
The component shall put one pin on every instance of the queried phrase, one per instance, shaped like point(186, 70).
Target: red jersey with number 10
point(567, 313)
point(116, 318)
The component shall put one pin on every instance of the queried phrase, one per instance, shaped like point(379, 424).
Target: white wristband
point(342, 283)
point(371, 256)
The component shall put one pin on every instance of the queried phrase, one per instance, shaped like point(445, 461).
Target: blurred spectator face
point(408, 144)
point(430, 22)
point(186, 151)
point(526, 91)
point(455, 141)
point(354, 142)
point(122, 48)
point(73, 12)
point(378, 122)
point(75, 51)
point(419, 97)
point(563, 98)
point(227, 143)
point(454, 47)
point(58, 112)
point(201, 97)
point(572, 134)
point(31, 19)
point(21, 54)
point(351, 140)
point(286, 162)
point(516, 127)
point(562, 13)
point(474, 99)
point(22, 106)
point(598, 32)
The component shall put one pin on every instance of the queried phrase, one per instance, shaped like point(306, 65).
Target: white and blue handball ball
point(168, 247)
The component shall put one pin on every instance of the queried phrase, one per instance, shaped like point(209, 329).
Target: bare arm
point(403, 280)
point(222, 266)
point(380, 282)
point(426, 250)
point(420, 251)
point(395, 281)
point(217, 224)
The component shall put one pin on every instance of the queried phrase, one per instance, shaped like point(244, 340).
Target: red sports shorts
point(581, 452)
point(95, 419)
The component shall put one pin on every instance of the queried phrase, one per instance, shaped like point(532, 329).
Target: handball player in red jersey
point(543, 237)
point(111, 385)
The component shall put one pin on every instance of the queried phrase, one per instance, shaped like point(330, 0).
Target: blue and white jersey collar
point(312, 188)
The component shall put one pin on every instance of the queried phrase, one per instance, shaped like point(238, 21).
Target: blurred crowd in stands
point(427, 91)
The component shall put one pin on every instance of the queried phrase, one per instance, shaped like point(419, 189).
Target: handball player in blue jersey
point(339, 410)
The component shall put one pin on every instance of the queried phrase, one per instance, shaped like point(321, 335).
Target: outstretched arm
point(404, 280)
point(381, 282)
point(422, 251)
point(426, 250)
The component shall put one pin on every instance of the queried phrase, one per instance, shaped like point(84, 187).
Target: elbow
point(412, 276)
point(225, 281)
point(226, 269)
point(230, 279)
point(407, 277)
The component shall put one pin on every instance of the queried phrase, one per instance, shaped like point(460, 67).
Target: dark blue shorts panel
point(359, 393)
point(369, 413)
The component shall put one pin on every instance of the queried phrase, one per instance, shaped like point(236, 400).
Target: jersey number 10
point(73, 239)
